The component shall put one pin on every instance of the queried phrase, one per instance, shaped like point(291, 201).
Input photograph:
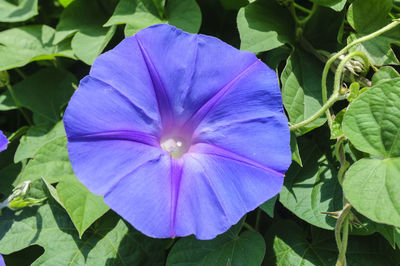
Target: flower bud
point(18, 200)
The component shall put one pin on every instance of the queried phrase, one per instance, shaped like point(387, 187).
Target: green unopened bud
point(20, 203)
point(18, 199)
point(353, 65)
point(4, 78)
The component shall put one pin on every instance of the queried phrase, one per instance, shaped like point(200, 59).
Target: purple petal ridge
point(218, 107)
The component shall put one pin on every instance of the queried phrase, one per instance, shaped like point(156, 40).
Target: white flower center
point(175, 147)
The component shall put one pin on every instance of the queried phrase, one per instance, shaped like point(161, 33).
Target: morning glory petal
point(98, 108)
point(185, 64)
point(215, 192)
point(249, 120)
point(102, 163)
point(3, 141)
point(143, 197)
point(124, 69)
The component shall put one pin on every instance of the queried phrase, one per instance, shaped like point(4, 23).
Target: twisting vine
point(327, 103)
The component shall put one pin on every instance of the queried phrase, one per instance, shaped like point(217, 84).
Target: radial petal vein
point(128, 135)
point(200, 113)
point(164, 105)
point(176, 175)
point(212, 149)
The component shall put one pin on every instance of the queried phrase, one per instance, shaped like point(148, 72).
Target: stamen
point(175, 147)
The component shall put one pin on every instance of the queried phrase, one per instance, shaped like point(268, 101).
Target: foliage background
point(46, 47)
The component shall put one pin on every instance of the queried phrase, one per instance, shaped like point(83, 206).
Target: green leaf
point(35, 138)
point(295, 149)
point(331, 22)
point(312, 189)
point(372, 185)
point(391, 233)
point(269, 206)
point(336, 5)
point(264, 25)
point(230, 248)
point(384, 74)
point(9, 176)
point(65, 3)
point(46, 99)
point(367, 16)
point(6, 102)
point(19, 10)
point(337, 130)
point(88, 46)
point(288, 244)
point(371, 122)
point(372, 125)
point(19, 46)
point(139, 14)
point(111, 242)
point(85, 18)
point(82, 206)
point(301, 89)
point(50, 162)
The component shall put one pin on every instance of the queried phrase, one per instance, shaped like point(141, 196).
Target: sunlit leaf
point(19, 46)
point(372, 124)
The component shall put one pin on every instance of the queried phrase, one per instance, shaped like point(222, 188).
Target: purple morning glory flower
point(3, 141)
point(182, 133)
point(1, 258)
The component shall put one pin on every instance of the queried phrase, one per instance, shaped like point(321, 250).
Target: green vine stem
point(301, 8)
point(327, 103)
point(338, 77)
point(342, 52)
point(300, 23)
point(334, 98)
point(11, 91)
point(17, 134)
point(341, 157)
point(249, 227)
point(342, 224)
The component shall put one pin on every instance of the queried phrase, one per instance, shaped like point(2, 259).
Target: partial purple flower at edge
point(182, 133)
point(1, 258)
point(3, 141)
